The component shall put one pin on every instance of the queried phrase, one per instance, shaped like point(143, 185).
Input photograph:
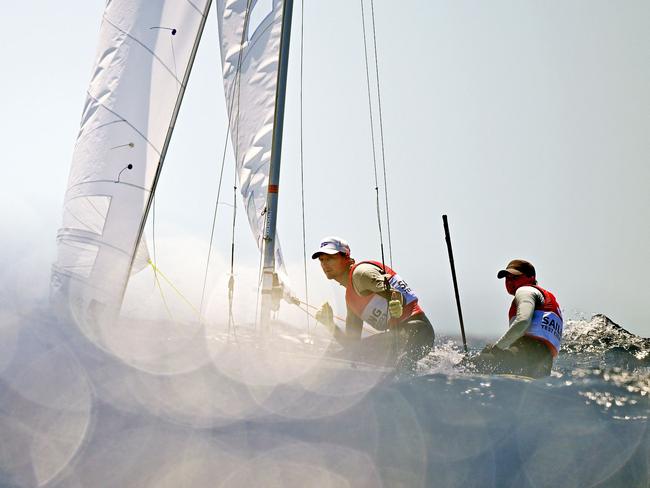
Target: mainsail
point(250, 37)
point(145, 52)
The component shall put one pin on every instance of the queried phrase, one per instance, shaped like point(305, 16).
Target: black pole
point(453, 276)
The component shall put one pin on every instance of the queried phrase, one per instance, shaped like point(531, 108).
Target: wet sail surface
point(201, 408)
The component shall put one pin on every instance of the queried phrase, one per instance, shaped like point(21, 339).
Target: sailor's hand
point(325, 315)
point(395, 308)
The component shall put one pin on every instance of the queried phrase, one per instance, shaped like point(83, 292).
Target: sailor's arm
point(368, 278)
point(353, 324)
point(526, 298)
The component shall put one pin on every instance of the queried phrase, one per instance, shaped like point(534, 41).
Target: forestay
point(249, 35)
point(144, 52)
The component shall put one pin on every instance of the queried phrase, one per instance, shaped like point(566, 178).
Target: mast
point(269, 236)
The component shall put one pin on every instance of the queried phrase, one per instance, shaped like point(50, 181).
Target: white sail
point(249, 34)
point(144, 52)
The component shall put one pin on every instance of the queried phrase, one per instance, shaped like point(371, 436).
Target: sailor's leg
point(419, 338)
point(376, 349)
point(532, 358)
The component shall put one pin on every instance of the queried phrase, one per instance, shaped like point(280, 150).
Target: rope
point(302, 166)
point(231, 280)
point(372, 135)
point(214, 219)
point(300, 302)
point(381, 134)
point(162, 295)
point(171, 39)
point(307, 312)
point(381, 238)
point(178, 292)
point(153, 234)
point(225, 147)
point(259, 289)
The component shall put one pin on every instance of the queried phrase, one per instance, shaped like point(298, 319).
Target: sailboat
point(145, 56)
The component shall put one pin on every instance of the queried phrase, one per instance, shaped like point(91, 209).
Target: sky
point(527, 123)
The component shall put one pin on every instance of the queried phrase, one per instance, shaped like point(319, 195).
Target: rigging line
point(231, 280)
point(162, 295)
point(153, 234)
point(171, 40)
point(381, 134)
point(302, 160)
point(381, 237)
point(259, 288)
point(214, 221)
point(153, 203)
point(237, 85)
point(234, 219)
point(372, 135)
point(265, 213)
point(166, 142)
point(174, 287)
point(223, 158)
point(312, 307)
point(313, 315)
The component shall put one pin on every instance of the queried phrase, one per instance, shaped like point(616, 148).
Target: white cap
point(332, 245)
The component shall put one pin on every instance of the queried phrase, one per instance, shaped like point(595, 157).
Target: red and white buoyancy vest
point(373, 308)
point(547, 323)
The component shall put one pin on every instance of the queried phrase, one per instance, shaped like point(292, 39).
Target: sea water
point(149, 404)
